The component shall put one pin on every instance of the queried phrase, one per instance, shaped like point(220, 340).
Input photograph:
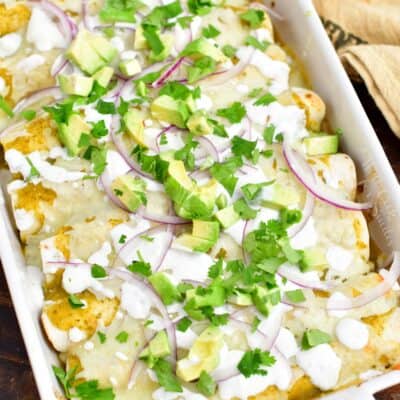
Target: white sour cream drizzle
point(321, 364)
point(19, 163)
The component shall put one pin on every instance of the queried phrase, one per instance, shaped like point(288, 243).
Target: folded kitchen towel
point(366, 34)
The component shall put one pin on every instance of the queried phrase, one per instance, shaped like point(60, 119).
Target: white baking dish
point(302, 31)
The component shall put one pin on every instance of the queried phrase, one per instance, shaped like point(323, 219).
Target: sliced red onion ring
point(106, 183)
point(117, 140)
point(68, 26)
point(230, 73)
point(389, 279)
point(167, 73)
point(268, 10)
point(297, 165)
point(156, 300)
point(158, 137)
point(161, 219)
point(209, 147)
point(53, 91)
point(130, 245)
point(85, 15)
point(59, 64)
point(295, 276)
point(307, 210)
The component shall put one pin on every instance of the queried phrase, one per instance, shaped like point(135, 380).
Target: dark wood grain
point(16, 379)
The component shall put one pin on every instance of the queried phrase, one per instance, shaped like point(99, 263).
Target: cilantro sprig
point(254, 362)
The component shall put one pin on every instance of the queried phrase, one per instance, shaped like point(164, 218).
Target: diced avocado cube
point(202, 47)
point(214, 297)
point(200, 203)
point(130, 190)
point(265, 299)
point(76, 84)
point(130, 67)
point(140, 41)
point(194, 243)
point(178, 185)
point(227, 217)
point(198, 124)
point(158, 346)
point(141, 89)
point(165, 108)
point(279, 196)
point(313, 259)
point(208, 230)
point(222, 201)
point(321, 144)
point(103, 76)
point(241, 299)
point(134, 123)
point(204, 235)
point(168, 41)
point(206, 349)
point(164, 287)
point(70, 134)
point(84, 55)
point(102, 46)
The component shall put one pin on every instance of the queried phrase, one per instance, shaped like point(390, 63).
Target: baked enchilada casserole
point(178, 193)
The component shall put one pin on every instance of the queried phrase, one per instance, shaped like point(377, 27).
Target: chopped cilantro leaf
point(254, 42)
point(66, 379)
point(185, 154)
point(206, 384)
point(253, 17)
point(176, 90)
point(314, 337)
point(122, 239)
point(147, 238)
point(6, 107)
point(200, 7)
point(269, 133)
point(34, 172)
point(99, 129)
point(122, 337)
point(234, 114)
point(242, 208)
point(90, 391)
point(104, 107)
point(243, 147)
point(265, 100)
point(119, 10)
point(140, 267)
point(102, 337)
point(254, 325)
point(160, 15)
point(152, 36)
point(216, 269)
point(75, 302)
point(98, 157)
point(148, 322)
point(224, 173)
point(165, 376)
point(255, 92)
point(253, 361)
point(29, 115)
point(229, 50)
point(84, 140)
point(202, 67)
point(98, 271)
point(60, 112)
point(210, 32)
point(185, 22)
point(252, 190)
point(296, 296)
point(219, 129)
point(153, 165)
point(184, 324)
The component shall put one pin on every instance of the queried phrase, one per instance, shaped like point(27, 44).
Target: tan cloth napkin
point(366, 34)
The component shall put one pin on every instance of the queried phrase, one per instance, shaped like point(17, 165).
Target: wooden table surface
point(16, 379)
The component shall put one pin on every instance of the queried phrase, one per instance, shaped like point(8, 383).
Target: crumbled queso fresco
point(194, 227)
